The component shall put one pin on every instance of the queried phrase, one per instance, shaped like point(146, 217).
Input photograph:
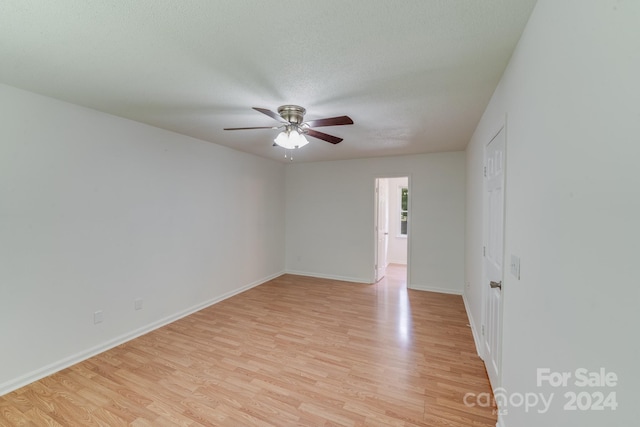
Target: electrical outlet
point(98, 317)
point(515, 266)
point(138, 304)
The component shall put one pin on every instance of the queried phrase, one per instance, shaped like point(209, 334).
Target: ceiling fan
point(291, 118)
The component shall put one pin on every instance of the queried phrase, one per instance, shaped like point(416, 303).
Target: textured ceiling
point(414, 75)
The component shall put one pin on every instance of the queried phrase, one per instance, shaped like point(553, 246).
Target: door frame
point(375, 223)
point(380, 271)
point(501, 127)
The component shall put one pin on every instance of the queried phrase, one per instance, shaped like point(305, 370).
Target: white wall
point(572, 98)
point(96, 211)
point(330, 214)
point(397, 253)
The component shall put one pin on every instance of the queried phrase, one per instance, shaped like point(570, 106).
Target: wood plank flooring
point(296, 351)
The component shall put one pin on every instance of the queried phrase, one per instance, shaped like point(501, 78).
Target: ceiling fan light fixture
point(291, 139)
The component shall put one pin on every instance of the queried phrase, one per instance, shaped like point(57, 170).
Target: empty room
point(362, 213)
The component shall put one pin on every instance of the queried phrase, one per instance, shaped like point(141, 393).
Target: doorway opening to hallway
point(392, 226)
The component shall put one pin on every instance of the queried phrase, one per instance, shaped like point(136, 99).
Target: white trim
point(14, 384)
point(435, 289)
point(472, 324)
point(500, 422)
point(329, 276)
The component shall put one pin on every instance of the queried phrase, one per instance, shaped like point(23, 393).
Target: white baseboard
point(474, 329)
point(435, 289)
point(329, 276)
point(11, 385)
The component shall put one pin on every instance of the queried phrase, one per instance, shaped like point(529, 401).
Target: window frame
point(401, 190)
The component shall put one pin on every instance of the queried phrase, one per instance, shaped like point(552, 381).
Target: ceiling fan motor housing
point(292, 113)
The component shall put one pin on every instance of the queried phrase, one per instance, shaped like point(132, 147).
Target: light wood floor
point(295, 351)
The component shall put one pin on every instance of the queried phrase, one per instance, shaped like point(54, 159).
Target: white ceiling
point(414, 75)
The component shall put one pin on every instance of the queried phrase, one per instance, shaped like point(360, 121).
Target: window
point(404, 213)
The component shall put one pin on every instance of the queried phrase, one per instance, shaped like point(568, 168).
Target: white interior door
point(494, 255)
point(382, 227)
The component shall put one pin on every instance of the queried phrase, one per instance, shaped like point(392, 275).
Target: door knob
point(495, 284)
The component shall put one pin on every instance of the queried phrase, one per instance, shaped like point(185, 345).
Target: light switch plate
point(515, 266)
point(98, 317)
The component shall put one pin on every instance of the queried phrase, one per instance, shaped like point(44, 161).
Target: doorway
point(391, 225)
point(494, 255)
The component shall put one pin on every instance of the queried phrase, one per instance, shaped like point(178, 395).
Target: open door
point(381, 227)
point(494, 255)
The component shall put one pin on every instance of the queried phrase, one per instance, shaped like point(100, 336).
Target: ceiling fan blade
point(323, 136)
point(258, 127)
point(332, 121)
point(271, 114)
